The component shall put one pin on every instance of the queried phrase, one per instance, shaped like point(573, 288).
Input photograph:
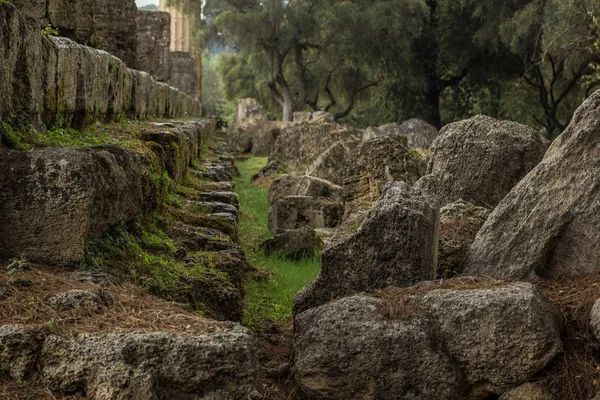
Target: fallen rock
point(271, 170)
point(256, 135)
point(221, 364)
point(19, 351)
point(419, 133)
point(295, 244)
point(528, 391)
point(377, 162)
point(459, 223)
point(413, 344)
point(293, 212)
point(392, 245)
point(91, 300)
point(543, 227)
point(321, 150)
point(480, 160)
point(247, 108)
point(294, 185)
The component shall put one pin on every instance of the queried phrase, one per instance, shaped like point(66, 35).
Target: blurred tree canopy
point(370, 62)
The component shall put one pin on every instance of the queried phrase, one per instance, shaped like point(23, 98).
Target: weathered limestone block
point(392, 245)
point(481, 159)
point(33, 8)
point(315, 149)
point(546, 225)
point(294, 185)
point(183, 73)
point(19, 351)
point(318, 116)
point(21, 72)
point(247, 108)
point(153, 41)
point(444, 344)
point(293, 212)
point(52, 199)
point(377, 162)
point(103, 24)
point(221, 364)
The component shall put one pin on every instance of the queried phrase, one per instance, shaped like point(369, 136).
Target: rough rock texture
point(153, 41)
point(294, 185)
point(33, 8)
point(528, 391)
point(52, 199)
point(443, 344)
point(58, 82)
point(294, 244)
point(109, 25)
point(92, 300)
point(419, 133)
point(595, 320)
point(183, 73)
point(293, 212)
point(481, 159)
point(394, 244)
point(315, 149)
point(378, 161)
point(132, 366)
point(19, 350)
point(459, 223)
point(255, 134)
point(247, 108)
point(543, 227)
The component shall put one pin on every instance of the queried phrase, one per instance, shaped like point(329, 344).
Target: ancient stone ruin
point(141, 246)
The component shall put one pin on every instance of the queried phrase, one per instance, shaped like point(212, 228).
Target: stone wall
point(183, 73)
point(104, 24)
point(55, 81)
point(153, 41)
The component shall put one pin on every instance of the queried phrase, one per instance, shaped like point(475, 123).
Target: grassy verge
point(268, 300)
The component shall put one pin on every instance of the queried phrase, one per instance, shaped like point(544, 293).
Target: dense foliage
point(370, 62)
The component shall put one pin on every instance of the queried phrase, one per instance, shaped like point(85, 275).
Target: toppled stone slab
point(377, 162)
point(392, 245)
point(293, 212)
point(459, 223)
point(321, 150)
point(295, 244)
point(19, 351)
point(481, 159)
point(217, 365)
point(441, 344)
point(543, 227)
point(294, 185)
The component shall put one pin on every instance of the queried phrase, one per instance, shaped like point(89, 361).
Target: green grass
point(268, 300)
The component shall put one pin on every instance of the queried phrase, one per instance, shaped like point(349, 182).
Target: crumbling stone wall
point(55, 81)
point(153, 41)
point(103, 24)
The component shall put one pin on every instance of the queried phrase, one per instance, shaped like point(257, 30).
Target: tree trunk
point(432, 114)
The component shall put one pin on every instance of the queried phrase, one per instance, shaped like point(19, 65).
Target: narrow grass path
point(268, 300)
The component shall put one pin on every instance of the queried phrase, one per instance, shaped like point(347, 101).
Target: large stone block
point(377, 162)
point(294, 185)
point(221, 364)
point(153, 41)
point(464, 343)
point(52, 199)
point(481, 159)
point(547, 225)
point(392, 245)
point(294, 212)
